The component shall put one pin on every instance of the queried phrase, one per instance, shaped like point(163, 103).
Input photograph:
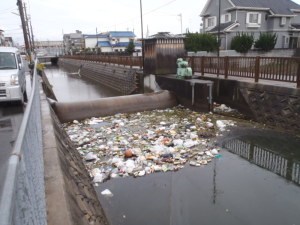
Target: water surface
point(71, 87)
point(256, 181)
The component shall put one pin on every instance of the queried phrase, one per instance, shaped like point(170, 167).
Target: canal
point(72, 87)
point(255, 181)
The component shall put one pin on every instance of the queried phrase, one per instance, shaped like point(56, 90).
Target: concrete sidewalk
point(250, 80)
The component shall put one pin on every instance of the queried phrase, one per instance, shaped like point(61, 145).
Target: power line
point(8, 9)
point(149, 12)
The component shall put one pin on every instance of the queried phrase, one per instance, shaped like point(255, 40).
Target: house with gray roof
point(253, 17)
point(73, 42)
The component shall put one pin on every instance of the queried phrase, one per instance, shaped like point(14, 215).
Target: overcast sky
point(52, 18)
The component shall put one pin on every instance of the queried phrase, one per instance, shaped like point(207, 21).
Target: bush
point(200, 42)
point(266, 41)
point(242, 42)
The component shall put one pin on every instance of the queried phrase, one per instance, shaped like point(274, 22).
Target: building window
point(253, 19)
point(225, 18)
point(283, 21)
point(210, 22)
point(286, 39)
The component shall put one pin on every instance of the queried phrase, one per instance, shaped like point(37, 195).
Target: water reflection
point(276, 155)
point(10, 120)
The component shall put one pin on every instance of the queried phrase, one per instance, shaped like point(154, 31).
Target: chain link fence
point(23, 197)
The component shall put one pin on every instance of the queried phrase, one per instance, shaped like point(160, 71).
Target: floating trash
point(107, 193)
point(142, 143)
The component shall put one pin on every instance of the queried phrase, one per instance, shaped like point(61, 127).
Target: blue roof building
point(127, 34)
point(104, 44)
point(112, 41)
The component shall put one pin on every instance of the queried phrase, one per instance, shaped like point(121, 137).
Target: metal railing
point(23, 197)
point(284, 69)
point(131, 61)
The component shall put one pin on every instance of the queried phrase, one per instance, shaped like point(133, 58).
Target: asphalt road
point(11, 115)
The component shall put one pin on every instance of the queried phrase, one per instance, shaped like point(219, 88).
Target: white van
point(12, 75)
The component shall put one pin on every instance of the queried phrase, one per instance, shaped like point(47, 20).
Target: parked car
point(24, 56)
point(12, 76)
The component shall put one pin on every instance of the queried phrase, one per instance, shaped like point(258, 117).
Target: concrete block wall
point(120, 78)
point(272, 105)
point(70, 196)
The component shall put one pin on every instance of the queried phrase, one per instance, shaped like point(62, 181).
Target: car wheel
point(25, 98)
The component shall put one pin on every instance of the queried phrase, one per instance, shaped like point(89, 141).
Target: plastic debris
point(107, 193)
point(142, 143)
point(223, 108)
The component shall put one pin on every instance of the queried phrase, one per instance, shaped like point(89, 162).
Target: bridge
point(48, 58)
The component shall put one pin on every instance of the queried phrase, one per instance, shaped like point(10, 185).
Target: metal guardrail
point(23, 197)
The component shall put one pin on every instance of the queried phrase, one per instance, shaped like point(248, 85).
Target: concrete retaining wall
point(271, 105)
point(70, 196)
point(120, 78)
point(183, 91)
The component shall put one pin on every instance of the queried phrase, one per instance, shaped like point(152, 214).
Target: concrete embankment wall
point(268, 104)
point(70, 196)
point(120, 78)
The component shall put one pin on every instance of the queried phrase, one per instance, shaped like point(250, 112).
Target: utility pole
point(28, 29)
point(143, 42)
point(143, 51)
point(180, 15)
point(219, 28)
point(25, 34)
point(32, 37)
point(97, 41)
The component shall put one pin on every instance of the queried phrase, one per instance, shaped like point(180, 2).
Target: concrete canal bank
point(122, 79)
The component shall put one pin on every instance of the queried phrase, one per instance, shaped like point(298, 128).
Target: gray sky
point(52, 18)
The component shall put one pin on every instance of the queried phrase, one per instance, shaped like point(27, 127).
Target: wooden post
point(257, 64)
point(298, 74)
point(202, 65)
point(193, 64)
point(226, 61)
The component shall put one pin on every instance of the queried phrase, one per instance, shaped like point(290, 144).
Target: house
point(73, 42)
point(9, 41)
point(2, 39)
point(112, 41)
point(90, 40)
point(253, 17)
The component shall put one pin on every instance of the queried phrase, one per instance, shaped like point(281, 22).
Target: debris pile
point(146, 142)
point(222, 108)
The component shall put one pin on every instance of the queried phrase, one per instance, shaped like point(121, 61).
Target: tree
point(130, 47)
point(266, 41)
point(200, 42)
point(242, 42)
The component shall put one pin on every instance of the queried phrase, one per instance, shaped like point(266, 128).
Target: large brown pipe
point(69, 111)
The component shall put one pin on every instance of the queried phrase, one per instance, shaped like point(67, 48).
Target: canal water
point(71, 87)
point(256, 181)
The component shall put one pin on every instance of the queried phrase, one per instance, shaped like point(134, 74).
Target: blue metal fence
point(23, 197)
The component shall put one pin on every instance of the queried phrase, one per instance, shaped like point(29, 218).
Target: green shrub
point(130, 47)
point(266, 41)
point(242, 42)
point(200, 42)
